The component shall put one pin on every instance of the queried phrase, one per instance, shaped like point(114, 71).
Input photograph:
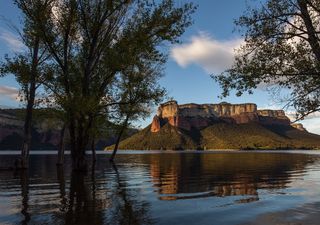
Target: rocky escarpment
point(198, 116)
point(220, 126)
point(45, 131)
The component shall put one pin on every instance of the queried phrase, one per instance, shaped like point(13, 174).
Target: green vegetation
point(168, 137)
point(223, 136)
point(281, 48)
point(95, 60)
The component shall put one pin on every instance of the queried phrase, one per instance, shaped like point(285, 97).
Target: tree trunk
point(79, 162)
point(93, 149)
point(61, 149)
point(76, 153)
point(23, 163)
point(312, 34)
point(124, 126)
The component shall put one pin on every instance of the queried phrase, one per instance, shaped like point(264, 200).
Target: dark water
point(166, 188)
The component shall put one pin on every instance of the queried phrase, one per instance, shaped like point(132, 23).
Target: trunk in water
point(23, 162)
point(78, 150)
point(93, 149)
point(118, 139)
point(79, 162)
point(61, 147)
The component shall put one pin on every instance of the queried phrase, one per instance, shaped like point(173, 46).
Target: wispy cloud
point(11, 40)
point(212, 55)
point(9, 92)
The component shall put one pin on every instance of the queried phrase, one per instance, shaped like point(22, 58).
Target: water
point(166, 188)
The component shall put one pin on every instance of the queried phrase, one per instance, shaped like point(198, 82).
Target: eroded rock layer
point(188, 116)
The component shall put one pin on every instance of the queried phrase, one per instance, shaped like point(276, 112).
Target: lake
point(165, 188)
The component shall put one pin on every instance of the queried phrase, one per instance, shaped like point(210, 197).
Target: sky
point(207, 47)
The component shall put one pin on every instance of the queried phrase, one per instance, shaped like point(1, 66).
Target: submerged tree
point(282, 47)
point(91, 44)
point(29, 69)
point(139, 92)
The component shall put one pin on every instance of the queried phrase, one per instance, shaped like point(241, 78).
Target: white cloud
point(312, 125)
point(212, 55)
point(10, 92)
point(11, 40)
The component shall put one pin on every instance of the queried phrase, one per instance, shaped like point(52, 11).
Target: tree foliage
point(282, 47)
point(30, 69)
point(104, 55)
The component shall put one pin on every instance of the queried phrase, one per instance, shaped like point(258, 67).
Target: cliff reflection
point(134, 190)
point(183, 177)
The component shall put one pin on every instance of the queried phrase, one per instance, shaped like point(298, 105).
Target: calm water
point(166, 188)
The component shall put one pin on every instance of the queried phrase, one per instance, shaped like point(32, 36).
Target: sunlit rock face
point(155, 126)
point(271, 117)
point(298, 126)
point(188, 116)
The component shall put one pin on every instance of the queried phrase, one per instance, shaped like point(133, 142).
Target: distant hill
point(240, 126)
point(45, 131)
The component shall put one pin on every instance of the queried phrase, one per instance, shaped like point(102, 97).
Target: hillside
point(220, 126)
point(45, 131)
point(223, 136)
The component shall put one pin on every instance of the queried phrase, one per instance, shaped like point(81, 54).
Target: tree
point(282, 47)
point(139, 93)
point(29, 69)
point(91, 43)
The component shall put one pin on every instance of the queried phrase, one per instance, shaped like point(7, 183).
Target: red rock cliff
point(199, 116)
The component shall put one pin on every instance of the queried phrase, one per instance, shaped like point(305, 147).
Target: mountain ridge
point(220, 126)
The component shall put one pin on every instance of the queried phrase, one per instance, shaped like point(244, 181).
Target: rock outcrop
point(188, 116)
point(45, 131)
point(155, 125)
point(298, 126)
point(220, 126)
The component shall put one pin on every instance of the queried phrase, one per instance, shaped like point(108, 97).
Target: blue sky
point(207, 47)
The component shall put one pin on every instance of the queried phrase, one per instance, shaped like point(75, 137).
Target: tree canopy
point(282, 47)
point(103, 55)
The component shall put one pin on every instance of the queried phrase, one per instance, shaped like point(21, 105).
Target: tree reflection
point(83, 207)
point(128, 209)
point(62, 188)
point(123, 194)
point(24, 182)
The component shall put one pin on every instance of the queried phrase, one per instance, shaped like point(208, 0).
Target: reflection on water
point(180, 188)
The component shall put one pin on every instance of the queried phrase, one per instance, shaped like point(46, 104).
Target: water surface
point(166, 188)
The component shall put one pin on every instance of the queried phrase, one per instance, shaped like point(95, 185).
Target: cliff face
point(220, 126)
point(45, 131)
point(44, 135)
point(198, 116)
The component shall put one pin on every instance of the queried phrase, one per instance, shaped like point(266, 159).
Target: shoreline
point(211, 151)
